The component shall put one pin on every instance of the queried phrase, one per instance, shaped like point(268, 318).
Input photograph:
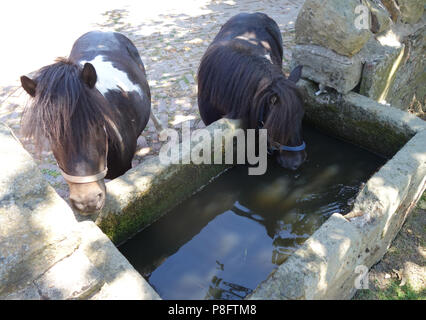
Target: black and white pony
point(91, 106)
point(241, 77)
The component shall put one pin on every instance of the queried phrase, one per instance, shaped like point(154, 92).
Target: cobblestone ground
point(171, 46)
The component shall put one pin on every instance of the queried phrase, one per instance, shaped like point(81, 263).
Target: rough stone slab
point(408, 90)
point(331, 24)
point(392, 8)
point(74, 277)
point(381, 64)
point(380, 19)
point(37, 227)
point(122, 281)
point(411, 10)
point(146, 192)
point(360, 120)
point(328, 68)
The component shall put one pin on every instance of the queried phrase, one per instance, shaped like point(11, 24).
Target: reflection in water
point(220, 289)
point(222, 242)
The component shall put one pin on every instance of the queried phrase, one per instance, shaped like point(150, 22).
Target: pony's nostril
point(78, 205)
point(99, 196)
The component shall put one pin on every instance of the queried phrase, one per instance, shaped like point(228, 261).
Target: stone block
point(408, 90)
point(381, 63)
point(331, 24)
point(411, 10)
point(380, 19)
point(328, 68)
point(392, 8)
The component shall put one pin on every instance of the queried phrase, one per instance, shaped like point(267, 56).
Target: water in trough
point(226, 239)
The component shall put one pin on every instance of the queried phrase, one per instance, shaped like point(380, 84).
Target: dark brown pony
point(91, 107)
point(241, 77)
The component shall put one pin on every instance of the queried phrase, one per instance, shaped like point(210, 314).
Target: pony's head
point(280, 111)
point(68, 111)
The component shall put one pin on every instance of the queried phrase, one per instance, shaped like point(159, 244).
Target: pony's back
point(240, 77)
point(258, 29)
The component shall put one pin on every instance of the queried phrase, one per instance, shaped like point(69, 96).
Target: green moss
point(380, 136)
point(331, 108)
point(52, 173)
point(422, 198)
point(164, 194)
point(396, 292)
point(334, 115)
point(364, 294)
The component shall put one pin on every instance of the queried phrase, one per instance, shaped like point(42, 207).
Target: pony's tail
point(276, 103)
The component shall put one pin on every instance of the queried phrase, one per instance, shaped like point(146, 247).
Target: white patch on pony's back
point(110, 78)
point(268, 57)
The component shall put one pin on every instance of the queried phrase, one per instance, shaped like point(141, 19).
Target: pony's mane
point(241, 84)
point(65, 110)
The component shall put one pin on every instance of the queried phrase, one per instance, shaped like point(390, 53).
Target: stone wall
point(408, 90)
point(373, 47)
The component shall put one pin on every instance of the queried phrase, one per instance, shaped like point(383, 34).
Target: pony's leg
point(208, 113)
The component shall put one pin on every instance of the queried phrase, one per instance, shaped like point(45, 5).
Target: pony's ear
point(89, 75)
point(296, 74)
point(29, 85)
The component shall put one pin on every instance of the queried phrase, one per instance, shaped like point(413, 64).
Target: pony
point(240, 77)
point(91, 107)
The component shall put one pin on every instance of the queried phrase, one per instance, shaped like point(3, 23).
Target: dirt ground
point(401, 274)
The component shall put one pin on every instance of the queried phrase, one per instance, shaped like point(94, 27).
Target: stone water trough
point(45, 253)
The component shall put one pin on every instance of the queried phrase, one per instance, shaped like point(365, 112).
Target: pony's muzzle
point(87, 198)
point(291, 160)
point(89, 206)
